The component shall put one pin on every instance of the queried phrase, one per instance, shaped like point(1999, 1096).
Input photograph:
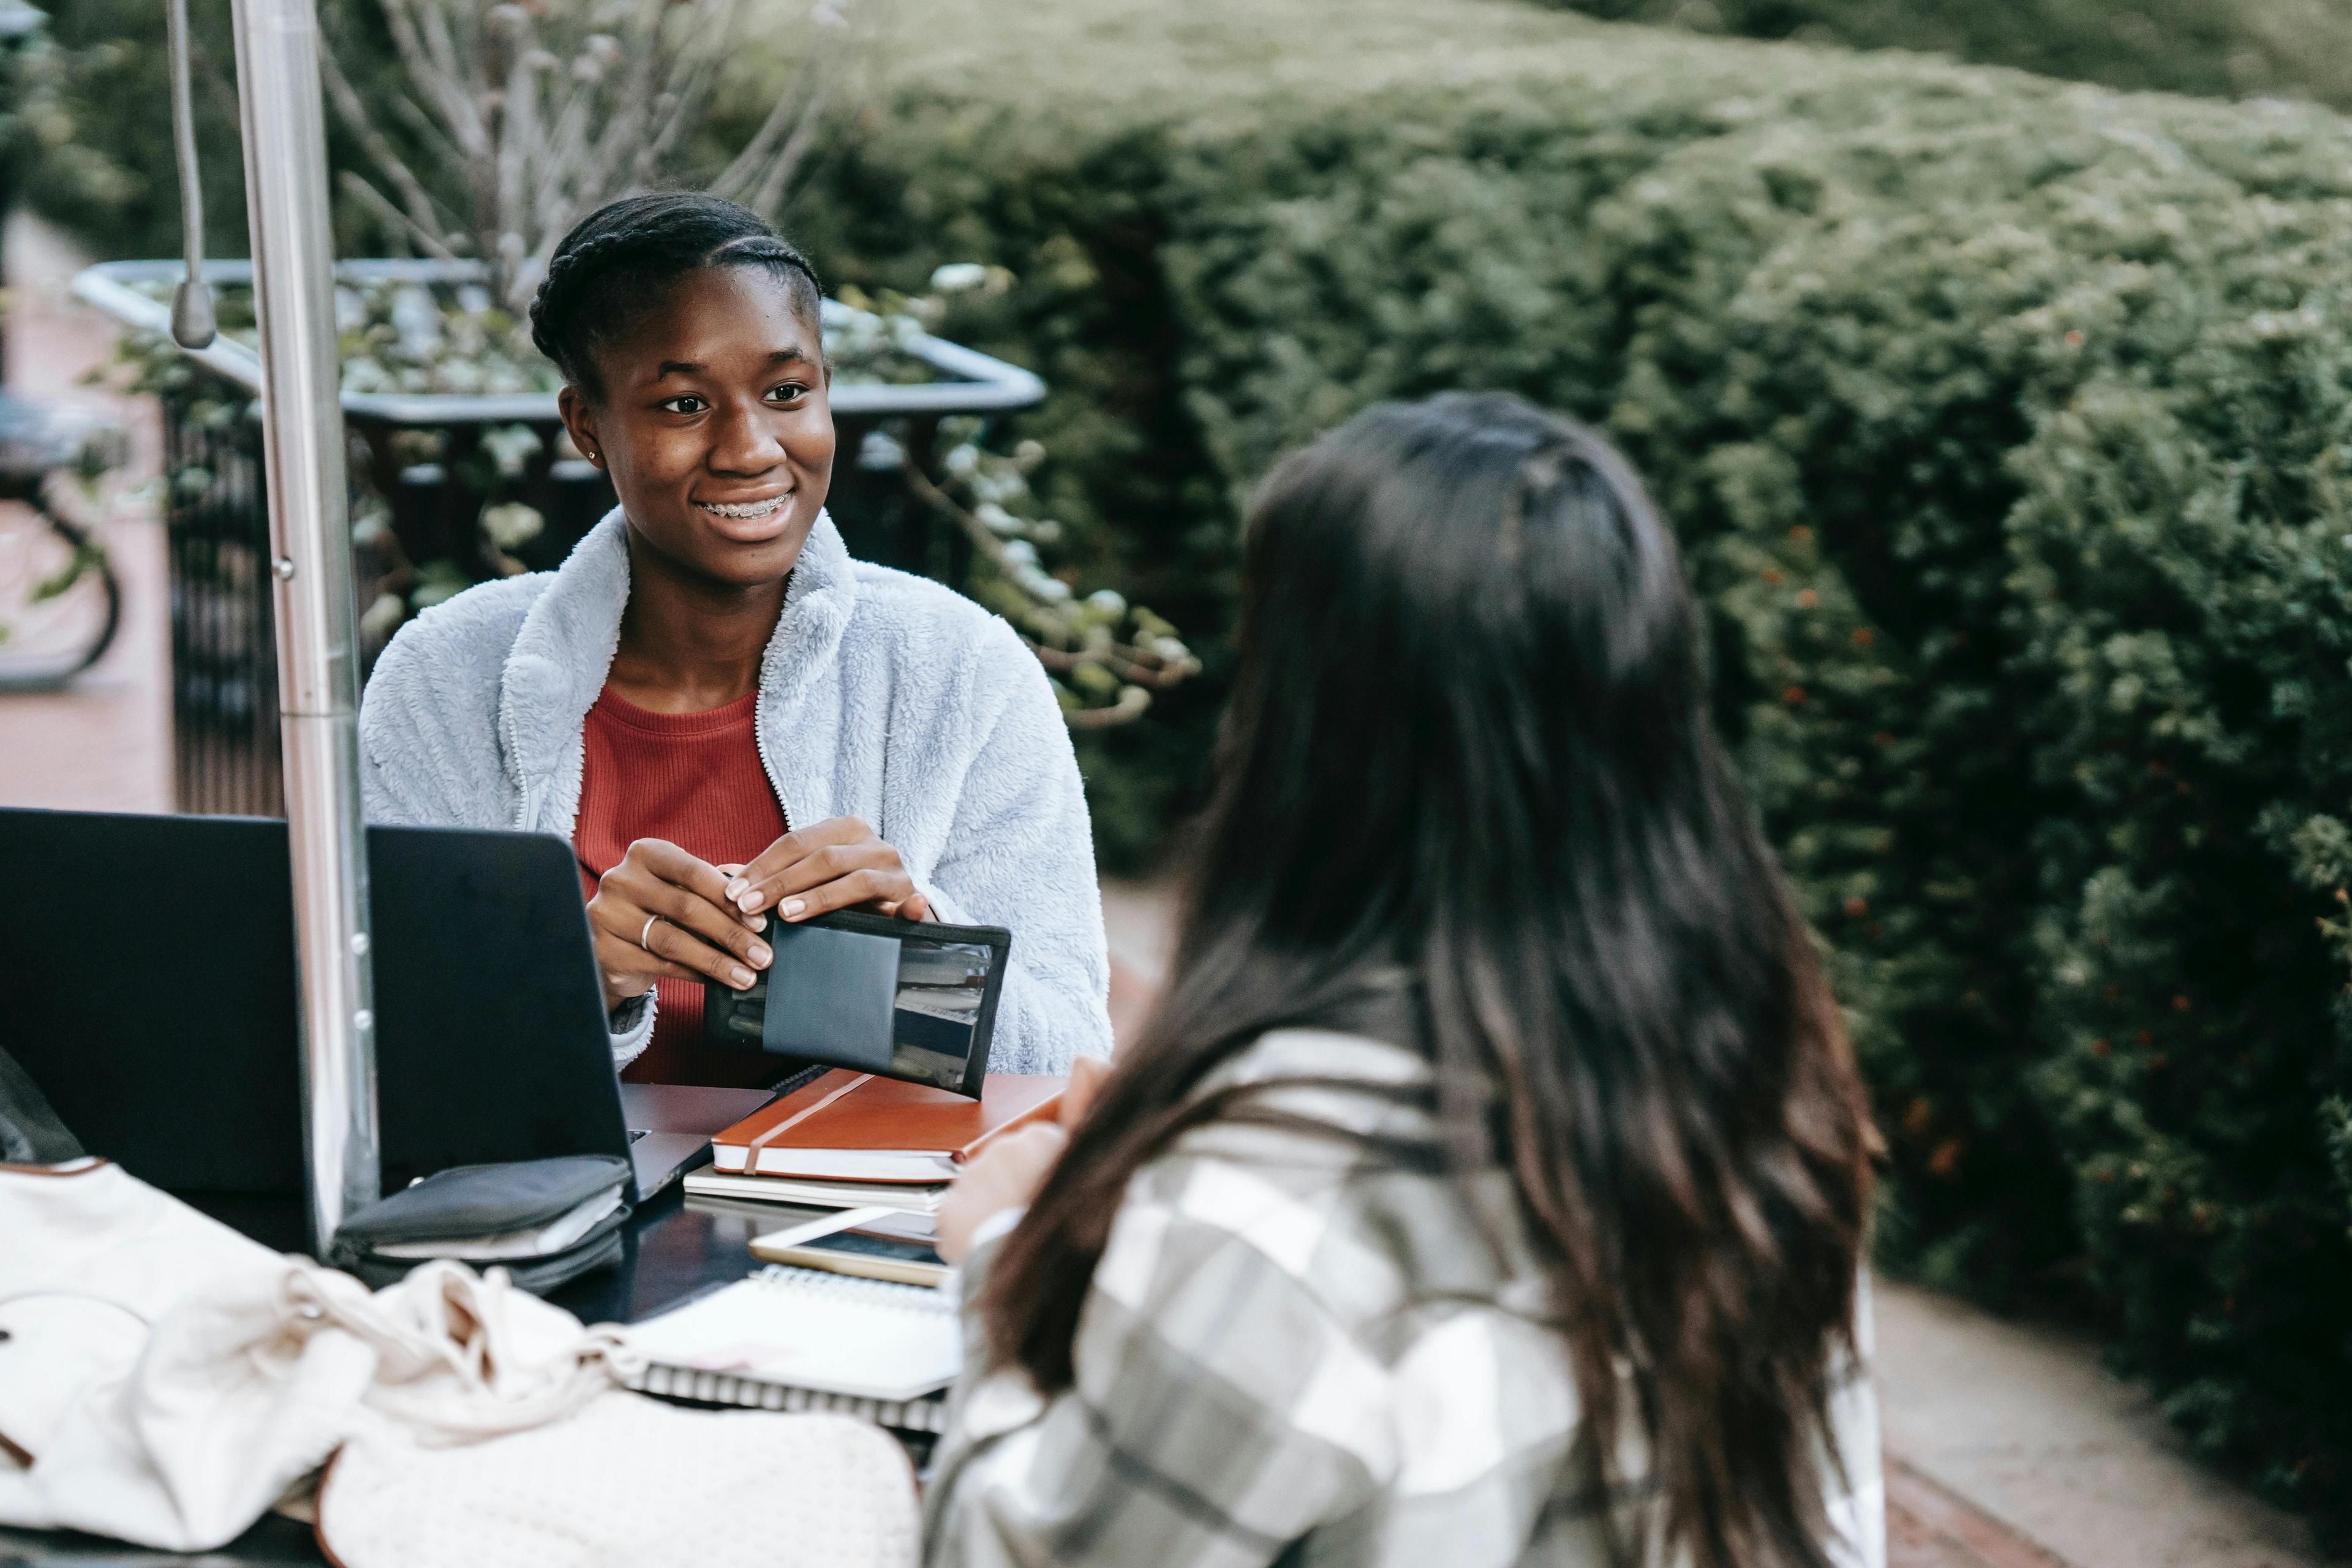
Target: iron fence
point(224, 658)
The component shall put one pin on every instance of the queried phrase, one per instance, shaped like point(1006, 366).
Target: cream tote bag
point(164, 1380)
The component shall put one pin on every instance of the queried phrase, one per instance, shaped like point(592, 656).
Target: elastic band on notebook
point(751, 1150)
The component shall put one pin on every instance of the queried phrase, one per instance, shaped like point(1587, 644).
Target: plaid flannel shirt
point(1294, 1351)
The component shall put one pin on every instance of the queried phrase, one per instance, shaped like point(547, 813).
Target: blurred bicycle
point(60, 602)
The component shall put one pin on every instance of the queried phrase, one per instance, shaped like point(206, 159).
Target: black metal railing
point(223, 657)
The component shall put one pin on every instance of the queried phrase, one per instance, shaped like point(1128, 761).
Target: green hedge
point(2009, 428)
point(108, 173)
point(2297, 48)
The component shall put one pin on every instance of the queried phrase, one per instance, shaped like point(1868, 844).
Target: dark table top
point(670, 1253)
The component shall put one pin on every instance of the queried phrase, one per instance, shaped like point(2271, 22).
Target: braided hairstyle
point(611, 268)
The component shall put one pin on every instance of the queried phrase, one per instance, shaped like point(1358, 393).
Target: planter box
point(223, 657)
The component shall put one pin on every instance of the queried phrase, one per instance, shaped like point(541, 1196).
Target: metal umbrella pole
point(309, 530)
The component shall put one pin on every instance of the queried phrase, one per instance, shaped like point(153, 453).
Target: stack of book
point(855, 1141)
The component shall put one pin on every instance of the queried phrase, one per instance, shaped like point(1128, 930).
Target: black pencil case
point(545, 1222)
point(906, 999)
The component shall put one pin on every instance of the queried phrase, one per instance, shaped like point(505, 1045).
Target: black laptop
point(147, 985)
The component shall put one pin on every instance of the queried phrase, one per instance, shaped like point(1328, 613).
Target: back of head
point(616, 262)
point(1469, 739)
point(1469, 664)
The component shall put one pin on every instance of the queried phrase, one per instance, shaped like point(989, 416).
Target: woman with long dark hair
point(1491, 1184)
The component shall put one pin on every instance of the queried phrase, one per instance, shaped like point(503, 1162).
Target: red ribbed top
point(694, 779)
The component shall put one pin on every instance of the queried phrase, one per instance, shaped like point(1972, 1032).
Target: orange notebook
point(854, 1127)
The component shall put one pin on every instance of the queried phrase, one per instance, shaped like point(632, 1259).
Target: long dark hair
point(1469, 739)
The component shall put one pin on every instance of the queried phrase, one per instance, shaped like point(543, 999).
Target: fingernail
point(735, 888)
point(760, 954)
point(749, 901)
point(793, 907)
point(742, 977)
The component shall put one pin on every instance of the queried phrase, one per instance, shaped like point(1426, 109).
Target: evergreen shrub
point(2008, 426)
point(107, 172)
point(2292, 49)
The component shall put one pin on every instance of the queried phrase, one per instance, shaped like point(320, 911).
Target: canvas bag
point(628, 1482)
point(166, 1381)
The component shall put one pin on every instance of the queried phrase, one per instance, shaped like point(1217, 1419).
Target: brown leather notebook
point(854, 1127)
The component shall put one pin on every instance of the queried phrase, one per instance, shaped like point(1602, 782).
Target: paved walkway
point(2062, 1459)
point(2007, 1447)
point(104, 744)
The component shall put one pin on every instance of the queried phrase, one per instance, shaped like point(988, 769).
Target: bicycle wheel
point(60, 600)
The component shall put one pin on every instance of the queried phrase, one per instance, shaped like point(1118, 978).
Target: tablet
point(844, 1250)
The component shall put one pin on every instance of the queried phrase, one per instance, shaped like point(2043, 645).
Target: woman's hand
point(836, 865)
point(662, 914)
point(1008, 1172)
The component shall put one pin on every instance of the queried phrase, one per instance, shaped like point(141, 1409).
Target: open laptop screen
point(150, 992)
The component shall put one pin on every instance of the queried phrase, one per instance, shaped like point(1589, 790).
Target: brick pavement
point(1928, 1527)
point(104, 743)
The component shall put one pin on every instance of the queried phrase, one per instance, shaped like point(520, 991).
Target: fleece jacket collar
point(564, 650)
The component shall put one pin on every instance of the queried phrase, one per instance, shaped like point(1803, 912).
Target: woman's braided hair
point(611, 269)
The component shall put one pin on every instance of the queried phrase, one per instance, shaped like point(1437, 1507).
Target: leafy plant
point(1107, 658)
point(43, 144)
point(510, 120)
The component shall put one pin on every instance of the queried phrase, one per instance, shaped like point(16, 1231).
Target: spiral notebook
point(800, 1339)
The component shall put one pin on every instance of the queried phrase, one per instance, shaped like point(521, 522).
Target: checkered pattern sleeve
point(1289, 1352)
point(1219, 1414)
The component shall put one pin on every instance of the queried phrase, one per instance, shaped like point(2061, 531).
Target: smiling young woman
point(724, 713)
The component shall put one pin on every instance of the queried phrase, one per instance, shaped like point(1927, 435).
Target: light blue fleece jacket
point(882, 696)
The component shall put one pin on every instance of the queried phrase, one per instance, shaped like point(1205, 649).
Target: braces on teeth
point(744, 510)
